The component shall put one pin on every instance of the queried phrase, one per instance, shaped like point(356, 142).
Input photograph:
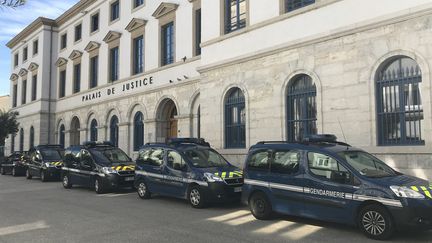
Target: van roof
point(327, 147)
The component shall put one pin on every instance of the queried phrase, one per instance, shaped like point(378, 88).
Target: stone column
point(83, 135)
point(124, 136)
point(183, 126)
point(150, 131)
point(102, 133)
point(67, 138)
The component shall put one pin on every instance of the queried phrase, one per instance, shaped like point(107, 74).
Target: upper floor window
point(138, 3)
point(62, 84)
point(24, 92)
point(197, 32)
point(78, 32)
point(399, 103)
point(235, 15)
point(25, 54)
point(77, 78)
point(114, 64)
point(15, 94)
point(34, 87)
point(115, 10)
point(94, 22)
point(16, 59)
point(94, 68)
point(167, 44)
point(235, 119)
point(63, 41)
point(291, 5)
point(35, 47)
point(138, 55)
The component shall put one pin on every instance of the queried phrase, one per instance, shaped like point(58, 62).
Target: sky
point(12, 21)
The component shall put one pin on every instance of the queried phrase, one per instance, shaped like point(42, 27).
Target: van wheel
point(98, 186)
point(28, 175)
point(43, 176)
point(2, 171)
point(375, 222)
point(260, 206)
point(196, 197)
point(143, 191)
point(66, 182)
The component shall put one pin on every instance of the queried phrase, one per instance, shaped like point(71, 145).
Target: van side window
point(175, 160)
point(259, 161)
point(152, 157)
point(324, 166)
point(286, 162)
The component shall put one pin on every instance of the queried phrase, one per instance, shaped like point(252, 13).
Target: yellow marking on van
point(415, 188)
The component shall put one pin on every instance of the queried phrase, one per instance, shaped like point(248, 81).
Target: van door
point(287, 181)
point(176, 174)
point(151, 163)
point(86, 168)
point(329, 189)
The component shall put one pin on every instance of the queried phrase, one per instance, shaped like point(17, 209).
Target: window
point(114, 131)
point(167, 44)
point(152, 157)
point(301, 108)
point(77, 78)
point(399, 103)
point(94, 68)
point(175, 161)
point(12, 142)
point(291, 5)
point(62, 135)
point(94, 22)
point(138, 132)
point(21, 143)
point(235, 15)
point(63, 42)
point(115, 10)
point(35, 47)
point(62, 84)
point(199, 122)
point(16, 59)
point(114, 64)
point(25, 54)
point(138, 55)
point(138, 3)
point(286, 162)
point(78, 32)
point(259, 161)
point(24, 92)
point(93, 130)
point(325, 167)
point(235, 119)
point(198, 32)
point(34, 88)
point(31, 137)
point(15, 94)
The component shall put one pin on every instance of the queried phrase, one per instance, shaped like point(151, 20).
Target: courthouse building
point(234, 72)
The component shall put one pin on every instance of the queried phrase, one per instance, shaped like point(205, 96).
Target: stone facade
point(5, 102)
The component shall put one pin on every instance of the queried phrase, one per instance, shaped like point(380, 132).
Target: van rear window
point(259, 161)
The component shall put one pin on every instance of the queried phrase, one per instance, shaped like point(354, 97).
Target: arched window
point(62, 135)
point(301, 108)
point(13, 142)
point(235, 119)
point(138, 132)
point(31, 137)
point(199, 122)
point(399, 104)
point(93, 130)
point(114, 130)
point(21, 145)
point(75, 136)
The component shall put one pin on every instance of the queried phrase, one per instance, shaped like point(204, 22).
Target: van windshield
point(110, 156)
point(367, 165)
point(52, 154)
point(205, 158)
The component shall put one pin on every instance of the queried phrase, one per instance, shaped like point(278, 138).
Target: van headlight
point(212, 178)
point(108, 170)
point(405, 192)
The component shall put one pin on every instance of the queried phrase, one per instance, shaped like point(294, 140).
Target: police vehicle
point(14, 164)
point(328, 180)
point(45, 162)
point(98, 165)
point(187, 168)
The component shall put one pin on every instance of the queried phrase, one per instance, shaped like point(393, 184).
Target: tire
point(99, 187)
point(43, 176)
point(66, 182)
point(376, 222)
point(14, 174)
point(196, 197)
point(28, 175)
point(260, 206)
point(2, 171)
point(143, 191)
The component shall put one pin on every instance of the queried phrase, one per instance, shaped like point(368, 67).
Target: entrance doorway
point(167, 123)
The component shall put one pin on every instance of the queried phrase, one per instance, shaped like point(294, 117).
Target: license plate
point(130, 178)
point(237, 189)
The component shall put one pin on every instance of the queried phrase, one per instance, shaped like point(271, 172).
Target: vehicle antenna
point(343, 134)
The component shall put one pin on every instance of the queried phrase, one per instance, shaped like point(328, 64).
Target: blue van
point(187, 168)
point(328, 180)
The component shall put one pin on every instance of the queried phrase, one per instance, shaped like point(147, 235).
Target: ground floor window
point(114, 130)
point(235, 119)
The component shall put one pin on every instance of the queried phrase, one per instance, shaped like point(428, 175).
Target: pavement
point(32, 211)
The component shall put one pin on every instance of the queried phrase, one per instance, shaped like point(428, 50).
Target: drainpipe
point(50, 84)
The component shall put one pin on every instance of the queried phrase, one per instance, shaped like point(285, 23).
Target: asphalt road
point(32, 211)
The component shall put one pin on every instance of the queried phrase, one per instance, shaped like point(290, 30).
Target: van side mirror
point(341, 177)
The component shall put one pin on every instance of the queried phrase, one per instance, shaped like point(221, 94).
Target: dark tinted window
point(175, 160)
point(259, 161)
point(324, 166)
point(286, 162)
point(151, 156)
